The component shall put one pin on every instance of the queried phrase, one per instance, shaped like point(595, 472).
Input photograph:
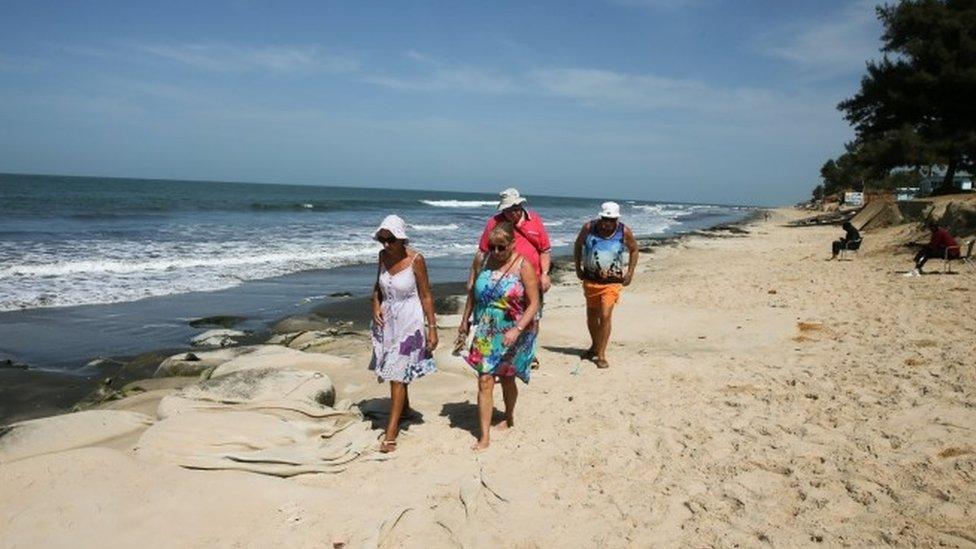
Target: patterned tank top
point(603, 258)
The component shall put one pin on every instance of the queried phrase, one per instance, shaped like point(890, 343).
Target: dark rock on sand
point(223, 321)
point(103, 392)
point(305, 323)
point(194, 364)
point(730, 229)
point(448, 304)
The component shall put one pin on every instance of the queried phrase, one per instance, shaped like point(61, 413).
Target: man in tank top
point(598, 254)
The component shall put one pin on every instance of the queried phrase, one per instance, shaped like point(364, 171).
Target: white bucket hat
point(510, 197)
point(395, 225)
point(610, 210)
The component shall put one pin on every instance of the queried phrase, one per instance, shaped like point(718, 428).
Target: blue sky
point(691, 100)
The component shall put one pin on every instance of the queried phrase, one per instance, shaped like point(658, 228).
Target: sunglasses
point(496, 249)
point(386, 239)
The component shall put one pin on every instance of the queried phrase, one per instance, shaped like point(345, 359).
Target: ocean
point(94, 266)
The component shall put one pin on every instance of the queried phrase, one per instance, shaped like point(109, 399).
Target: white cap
point(610, 210)
point(395, 225)
point(510, 197)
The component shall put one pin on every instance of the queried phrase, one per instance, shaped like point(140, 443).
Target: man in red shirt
point(941, 244)
point(531, 242)
point(531, 238)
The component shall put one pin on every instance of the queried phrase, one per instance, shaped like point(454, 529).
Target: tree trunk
point(949, 181)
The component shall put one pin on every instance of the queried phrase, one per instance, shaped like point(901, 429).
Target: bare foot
point(387, 446)
point(601, 363)
point(480, 446)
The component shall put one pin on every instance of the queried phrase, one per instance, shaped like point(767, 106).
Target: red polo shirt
point(531, 238)
point(941, 239)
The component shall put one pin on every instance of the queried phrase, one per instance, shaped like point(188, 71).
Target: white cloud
point(417, 56)
point(228, 58)
point(439, 76)
point(838, 45)
point(609, 89)
point(603, 87)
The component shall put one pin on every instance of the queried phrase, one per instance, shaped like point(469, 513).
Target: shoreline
point(27, 393)
point(780, 399)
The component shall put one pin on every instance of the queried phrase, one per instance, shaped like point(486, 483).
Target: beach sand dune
point(757, 395)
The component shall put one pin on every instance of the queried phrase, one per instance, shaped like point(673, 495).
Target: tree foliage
point(917, 105)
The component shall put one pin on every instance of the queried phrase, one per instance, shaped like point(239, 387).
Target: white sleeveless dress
point(400, 344)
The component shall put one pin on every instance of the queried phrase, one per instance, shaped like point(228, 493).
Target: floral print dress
point(500, 301)
point(400, 344)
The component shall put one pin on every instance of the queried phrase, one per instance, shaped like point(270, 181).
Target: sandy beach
point(757, 395)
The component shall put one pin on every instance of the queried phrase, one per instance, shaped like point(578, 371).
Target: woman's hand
point(378, 316)
point(431, 338)
point(511, 335)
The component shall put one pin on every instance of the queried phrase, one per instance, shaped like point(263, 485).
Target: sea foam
point(460, 203)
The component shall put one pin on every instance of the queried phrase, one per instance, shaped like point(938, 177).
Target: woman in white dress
point(402, 346)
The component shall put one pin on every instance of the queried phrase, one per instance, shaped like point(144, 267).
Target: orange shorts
point(601, 295)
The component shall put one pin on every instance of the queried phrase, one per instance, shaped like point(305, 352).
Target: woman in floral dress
point(504, 300)
point(401, 300)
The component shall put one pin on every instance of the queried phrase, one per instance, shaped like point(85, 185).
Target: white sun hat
point(610, 210)
point(395, 225)
point(510, 197)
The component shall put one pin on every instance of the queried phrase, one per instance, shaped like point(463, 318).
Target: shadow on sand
point(571, 351)
point(464, 415)
point(377, 411)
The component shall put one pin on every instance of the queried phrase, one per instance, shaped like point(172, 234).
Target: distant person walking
point(504, 300)
point(941, 245)
point(598, 255)
point(850, 241)
point(531, 241)
point(401, 301)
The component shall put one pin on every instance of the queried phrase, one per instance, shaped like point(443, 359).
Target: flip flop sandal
point(387, 446)
point(460, 342)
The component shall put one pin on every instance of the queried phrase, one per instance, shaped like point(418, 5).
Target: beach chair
point(967, 258)
point(850, 247)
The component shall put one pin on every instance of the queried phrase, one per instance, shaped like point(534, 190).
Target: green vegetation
point(916, 108)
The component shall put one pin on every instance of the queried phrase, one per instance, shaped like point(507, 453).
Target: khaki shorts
point(601, 295)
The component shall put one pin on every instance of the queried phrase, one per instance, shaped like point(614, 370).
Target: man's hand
point(627, 278)
point(545, 283)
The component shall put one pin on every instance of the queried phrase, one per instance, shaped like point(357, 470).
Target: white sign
point(854, 199)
